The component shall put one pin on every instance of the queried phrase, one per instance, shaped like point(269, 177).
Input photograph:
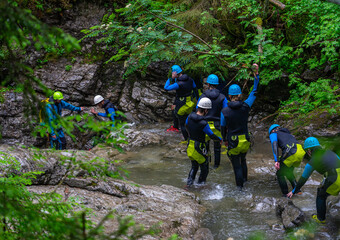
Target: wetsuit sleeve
point(223, 127)
point(225, 103)
point(250, 100)
point(210, 133)
point(303, 179)
point(169, 87)
point(68, 106)
point(198, 102)
point(194, 88)
point(49, 113)
point(273, 140)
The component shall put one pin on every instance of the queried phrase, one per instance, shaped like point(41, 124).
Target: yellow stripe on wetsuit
point(334, 189)
point(193, 154)
point(295, 159)
point(214, 130)
point(187, 107)
point(242, 146)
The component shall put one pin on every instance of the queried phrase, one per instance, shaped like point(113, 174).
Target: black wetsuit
point(197, 128)
point(219, 102)
point(325, 163)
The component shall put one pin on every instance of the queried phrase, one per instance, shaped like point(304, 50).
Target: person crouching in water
point(324, 162)
point(292, 155)
point(234, 128)
point(197, 128)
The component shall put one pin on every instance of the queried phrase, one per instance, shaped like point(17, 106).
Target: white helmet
point(97, 99)
point(204, 103)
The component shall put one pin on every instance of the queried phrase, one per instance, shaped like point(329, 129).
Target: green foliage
point(68, 67)
point(303, 36)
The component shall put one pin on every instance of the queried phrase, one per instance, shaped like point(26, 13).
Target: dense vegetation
point(226, 37)
point(219, 36)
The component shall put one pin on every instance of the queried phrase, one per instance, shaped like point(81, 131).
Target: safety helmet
point(204, 103)
point(58, 96)
point(176, 68)
point(271, 128)
point(97, 99)
point(234, 90)
point(212, 79)
point(311, 142)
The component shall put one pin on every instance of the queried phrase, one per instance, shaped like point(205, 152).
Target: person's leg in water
point(244, 167)
point(322, 196)
point(182, 120)
point(236, 162)
point(217, 154)
point(204, 172)
point(280, 174)
point(192, 173)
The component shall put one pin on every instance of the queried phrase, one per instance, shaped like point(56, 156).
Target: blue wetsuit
point(234, 118)
point(109, 111)
point(184, 87)
point(53, 112)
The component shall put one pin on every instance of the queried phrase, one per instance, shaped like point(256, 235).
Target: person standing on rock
point(292, 155)
point(54, 111)
point(108, 107)
point(234, 128)
point(184, 105)
point(197, 128)
point(325, 162)
point(175, 126)
point(219, 101)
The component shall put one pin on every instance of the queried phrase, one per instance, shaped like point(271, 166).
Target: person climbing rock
point(184, 85)
point(234, 128)
point(109, 108)
point(219, 101)
point(197, 128)
point(327, 163)
point(292, 155)
point(54, 108)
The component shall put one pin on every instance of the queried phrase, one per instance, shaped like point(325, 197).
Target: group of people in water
point(226, 122)
point(223, 121)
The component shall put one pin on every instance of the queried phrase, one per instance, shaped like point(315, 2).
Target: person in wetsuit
point(292, 155)
point(234, 128)
point(325, 162)
point(184, 86)
point(197, 128)
point(219, 101)
point(175, 126)
point(109, 108)
point(54, 108)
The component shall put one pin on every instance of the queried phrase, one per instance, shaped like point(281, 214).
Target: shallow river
point(228, 213)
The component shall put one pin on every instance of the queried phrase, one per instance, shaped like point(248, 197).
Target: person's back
point(236, 115)
point(324, 161)
point(195, 125)
point(217, 100)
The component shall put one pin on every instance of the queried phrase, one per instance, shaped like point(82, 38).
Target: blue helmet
point(212, 79)
point(271, 128)
point(176, 68)
point(234, 90)
point(311, 142)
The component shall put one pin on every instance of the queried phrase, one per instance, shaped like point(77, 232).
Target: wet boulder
point(203, 234)
point(290, 215)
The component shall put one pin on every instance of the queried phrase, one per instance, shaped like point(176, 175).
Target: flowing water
point(230, 213)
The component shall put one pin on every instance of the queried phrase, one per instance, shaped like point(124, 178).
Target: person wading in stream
point(292, 155)
point(324, 162)
point(197, 128)
point(184, 85)
point(234, 128)
point(54, 108)
point(219, 101)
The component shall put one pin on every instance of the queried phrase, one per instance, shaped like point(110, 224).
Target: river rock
point(176, 210)
point(290, 215)
point(203, 234)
